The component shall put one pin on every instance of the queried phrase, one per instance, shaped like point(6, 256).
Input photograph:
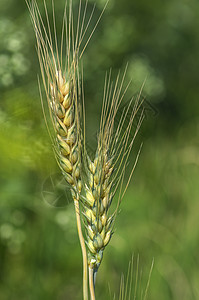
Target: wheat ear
point(106, 172)
point(61, 84)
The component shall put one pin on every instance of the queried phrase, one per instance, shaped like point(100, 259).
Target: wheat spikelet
point(98, 200)
point(65, 118)
point(106, 171)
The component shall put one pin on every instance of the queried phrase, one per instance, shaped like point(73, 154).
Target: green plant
point(93, 193)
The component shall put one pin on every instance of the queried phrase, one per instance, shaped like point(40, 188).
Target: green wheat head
point(106, 172)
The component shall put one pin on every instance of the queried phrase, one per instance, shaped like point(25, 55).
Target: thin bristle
point(131, 285)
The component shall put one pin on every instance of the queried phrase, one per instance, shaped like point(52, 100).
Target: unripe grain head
point(106, 172)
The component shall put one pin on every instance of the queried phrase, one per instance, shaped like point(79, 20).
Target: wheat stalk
point(106, 172)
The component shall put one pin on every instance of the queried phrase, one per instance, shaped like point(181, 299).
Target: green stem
point(91, 283)
point(83, 247)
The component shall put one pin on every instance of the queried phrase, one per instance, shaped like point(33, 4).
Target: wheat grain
point(65, 118)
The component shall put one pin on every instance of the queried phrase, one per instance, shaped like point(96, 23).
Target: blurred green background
point(40, 257)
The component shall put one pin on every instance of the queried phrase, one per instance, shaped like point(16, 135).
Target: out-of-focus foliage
point(39, 253)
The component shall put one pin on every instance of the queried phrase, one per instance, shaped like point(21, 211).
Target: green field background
point(40, 257)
